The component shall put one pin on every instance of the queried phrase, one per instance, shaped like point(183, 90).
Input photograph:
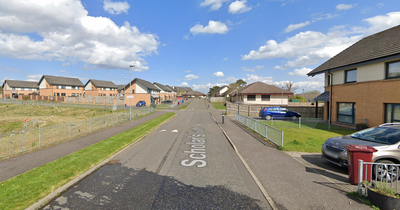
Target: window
point(73, 94)
point(328, 82)
point(73, 87)
point(13, 88)
point(251, 97)
point(133, 91)
point(63, 87)
point(110, 94)
point(350, 76)
point(22, 88)
point(58, 94)
point(392, 113)
point(62, 94)
point(393, 69)
point(265, 98)
point(346, 113)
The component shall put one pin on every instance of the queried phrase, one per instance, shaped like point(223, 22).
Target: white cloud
point(253, 69)
point(251, 78)
point(33, 78)
point(116, 7)
point(238, 6)
point(214, 27)
point(184, 84)
point(345, 6)
point(225, 59)
point(187, 71)
point(191, 77)
point(380, 5)
point(63, 71)
point(293, 27)
point(229, 79)
point(300, 72)
point(219, 74)
point(70, 35)
point(382, 22)
point(214, 4)
point(206, 87)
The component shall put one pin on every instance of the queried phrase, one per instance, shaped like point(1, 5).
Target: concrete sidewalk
point(17, 165)
point(289, 181)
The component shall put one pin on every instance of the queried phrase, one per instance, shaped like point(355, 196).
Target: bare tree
point(289, 85)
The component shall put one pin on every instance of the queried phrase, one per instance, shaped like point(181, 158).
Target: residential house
point(121, 89)
point(100, 88)
point(182, 90)
point(173, 92)
point(165, 93)
point(222, 90)
point(362, 82)
point(141, 90)
point(16, 88)
point(60, 86)
point(262, 94)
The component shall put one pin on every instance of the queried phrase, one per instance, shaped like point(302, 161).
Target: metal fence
point(269, 132)
point(62, 104)
point(303, 123)
point(15, 143)
point(383, 175)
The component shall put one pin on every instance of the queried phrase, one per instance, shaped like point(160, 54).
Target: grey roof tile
point(56, 80)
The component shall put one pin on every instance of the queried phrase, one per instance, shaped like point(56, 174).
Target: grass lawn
point(184, 107)
point(218, 105)
point(309, 138)
point(12, 115)
point(26, 189)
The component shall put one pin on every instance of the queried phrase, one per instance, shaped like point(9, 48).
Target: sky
point(189, 43)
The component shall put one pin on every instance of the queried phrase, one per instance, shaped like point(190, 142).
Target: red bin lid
point(359, 148)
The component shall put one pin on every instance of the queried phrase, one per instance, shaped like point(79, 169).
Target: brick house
point(165, 92)
point(100, 88)
point(60, 86)
point(141, 90)
point(16, 88)
point(362, 82)
point(261, 93)
point(173, 92)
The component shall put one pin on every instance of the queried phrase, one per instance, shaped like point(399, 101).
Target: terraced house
point(16, 88)
point(60, 86)
point(165, 92)
point(362, 82)
point(100, 88)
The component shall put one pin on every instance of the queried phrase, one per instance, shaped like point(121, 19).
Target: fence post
point(90, 125)
point(299, 122)
point(39, 138)
point(360, 176)
point(69, 129)
point(282, 140)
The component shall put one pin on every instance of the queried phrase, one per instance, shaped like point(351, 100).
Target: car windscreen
point(383, 135)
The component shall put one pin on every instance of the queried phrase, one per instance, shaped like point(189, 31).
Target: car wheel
point(293, 117)
point(268, 117)
point(385, 172)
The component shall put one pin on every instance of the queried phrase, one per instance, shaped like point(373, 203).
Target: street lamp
point(304, 98)
point(130, 98)
point(124, 92)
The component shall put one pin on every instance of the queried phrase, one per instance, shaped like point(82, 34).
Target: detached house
point(60, 86)
point(261, 93)
point(362, 82)
point(100, 88)
point(16, 88)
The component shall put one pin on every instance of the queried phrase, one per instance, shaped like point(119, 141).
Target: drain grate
point(113, 161)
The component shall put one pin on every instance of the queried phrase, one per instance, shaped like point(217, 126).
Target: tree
point(241, 83)
point(289, 85)
point(213, 91)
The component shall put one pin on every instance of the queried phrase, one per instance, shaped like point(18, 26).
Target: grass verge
point(218, 105)
point(184, 107)
point(24, 190)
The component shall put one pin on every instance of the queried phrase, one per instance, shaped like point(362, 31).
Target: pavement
point(291, 180)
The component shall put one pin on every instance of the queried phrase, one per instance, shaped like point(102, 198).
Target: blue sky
point(196, 43)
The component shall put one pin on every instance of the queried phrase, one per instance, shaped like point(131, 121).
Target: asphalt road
point(186, 163)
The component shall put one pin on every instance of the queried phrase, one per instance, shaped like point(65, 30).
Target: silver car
point(385, 138)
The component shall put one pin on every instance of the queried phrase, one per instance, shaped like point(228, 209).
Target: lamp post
point(303, 97)
point(130, 99)
point(124, 92)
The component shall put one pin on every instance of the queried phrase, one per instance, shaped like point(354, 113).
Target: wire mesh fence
point(269, 132)
point(17, 142)
point(304, 123)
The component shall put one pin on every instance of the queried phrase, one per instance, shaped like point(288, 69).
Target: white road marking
point(174, 131)
point(163, 130)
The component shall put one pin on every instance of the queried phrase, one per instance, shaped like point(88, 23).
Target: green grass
point(218, 105)
point(184, 107)
point(26, 189)
point(306, 139)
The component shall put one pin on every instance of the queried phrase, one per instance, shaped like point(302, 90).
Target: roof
point(193, 93)
point(120, 87)
point(55, 80)
point(147, 84)
point(262, 88)
point(162, 87)
point(323, 97)
point(101, 83)
point(21, 84)
point(171, 88)
point(375, 48)
point(186, 89)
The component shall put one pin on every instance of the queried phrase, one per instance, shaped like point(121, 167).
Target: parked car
point(167, 102)
point(141, 103)
point(277, 113)
point(385, 138)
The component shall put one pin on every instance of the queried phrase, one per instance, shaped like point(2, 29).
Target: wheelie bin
point(355, 153)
